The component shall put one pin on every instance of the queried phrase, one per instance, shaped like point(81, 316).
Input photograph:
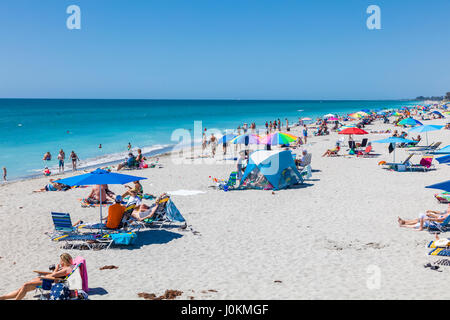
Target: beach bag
point(59, 291)
point(123, 238)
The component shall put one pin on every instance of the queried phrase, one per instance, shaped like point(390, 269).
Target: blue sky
point(224, 49)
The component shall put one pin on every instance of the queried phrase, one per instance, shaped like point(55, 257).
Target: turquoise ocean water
point(30, 127)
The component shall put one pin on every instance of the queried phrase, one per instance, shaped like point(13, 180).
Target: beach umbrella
point(365, 110)
point(438, 113)
point(426, 129)
point(278, 138)
point(333, 119)
point(246, 139)
point(410, 122)
point(394, 140)
point(99, 177)
point(442, 186)
point(306, 119)
point(328, 115)
point(355, 115)
point(227, 138)
point(444, 159)
point(353, 130)
point(362, 113)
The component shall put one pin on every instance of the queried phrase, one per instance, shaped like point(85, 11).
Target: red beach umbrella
point(353, 131)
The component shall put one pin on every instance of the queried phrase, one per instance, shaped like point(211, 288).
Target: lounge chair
point(166, 214)
point(431, 147)
point(74, 284)
point(425, 164)
point(306, 161)
point(366, 153)
point(399, 166)
point(434, 226)
point(364, 143)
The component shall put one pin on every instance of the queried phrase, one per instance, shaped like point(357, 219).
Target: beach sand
point(332, 238)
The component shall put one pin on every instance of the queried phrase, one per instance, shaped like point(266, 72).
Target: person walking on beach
point(287, 124)
point(61, 157)
point(204, 143)
point(213, 142)
point(74, 158)
point(305, 133)
point(4, 173)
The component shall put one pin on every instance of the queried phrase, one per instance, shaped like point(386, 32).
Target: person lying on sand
point(52, 186)
point(63, 269)
point(423, 221)
point(143, 211)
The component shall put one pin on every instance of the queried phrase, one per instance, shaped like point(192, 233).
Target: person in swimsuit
point(61, 157)
point(143, 211)
point(138, 189)
point(63, 269)
point(140, 158)
point(213, 142)
point(47, 156)
point(424, 219)
point(74, 158)
point(51, 186)
point(94, 196)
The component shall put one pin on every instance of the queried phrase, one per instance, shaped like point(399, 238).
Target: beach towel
point(185, 192)
point(83, 272)
point(443, 197)
point(85, 204)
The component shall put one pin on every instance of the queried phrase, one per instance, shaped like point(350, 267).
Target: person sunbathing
point(94, 196)
point(138, 189)
point(63, 269)
point(51, 186)
point(143, 211)
point(330, 152)
point(424, 219)
point(130, 163)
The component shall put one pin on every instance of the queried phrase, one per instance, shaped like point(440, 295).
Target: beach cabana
point(271, 170)
point(99, 177)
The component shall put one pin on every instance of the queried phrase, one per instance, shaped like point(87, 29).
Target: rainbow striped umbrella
point(355, 115)
point(278, 138)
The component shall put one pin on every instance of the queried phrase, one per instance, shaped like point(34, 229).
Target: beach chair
point(366, 153)
point(431, 147)
point(364, 143)
point(166, 214)
point(90, 241)
point(399, 166)
point(434, 226)
point(232, 179)
point(425, 164)
point(306, 161)
point(74, 285)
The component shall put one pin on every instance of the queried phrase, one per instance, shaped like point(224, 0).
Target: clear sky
point(224, 49)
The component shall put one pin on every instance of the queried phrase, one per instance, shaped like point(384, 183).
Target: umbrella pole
point(101, 226)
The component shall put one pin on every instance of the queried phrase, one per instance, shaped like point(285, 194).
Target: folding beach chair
point(434, 226)
point(366, 153)
point(364, 143)
point(431, 147)
point(166, 214)
point(306, 161)
point(89, 241)
point(425, 164)
point(70, 288)
point(399, 166)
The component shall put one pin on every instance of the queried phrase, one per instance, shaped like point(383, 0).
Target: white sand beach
point(327, 239)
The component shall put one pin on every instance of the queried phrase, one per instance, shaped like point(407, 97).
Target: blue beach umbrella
point(227, 138)
point(394, 140)
point(99, 177)
point(410, 122)
point(426, 129)
point(442, 186)
point(444, 159)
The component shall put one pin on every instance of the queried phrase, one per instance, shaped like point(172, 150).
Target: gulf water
point(31, 127)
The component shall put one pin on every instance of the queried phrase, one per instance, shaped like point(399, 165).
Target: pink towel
point(426, 162)
point(83, 272)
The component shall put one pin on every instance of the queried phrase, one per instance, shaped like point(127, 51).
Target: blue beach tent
point(274, 167)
